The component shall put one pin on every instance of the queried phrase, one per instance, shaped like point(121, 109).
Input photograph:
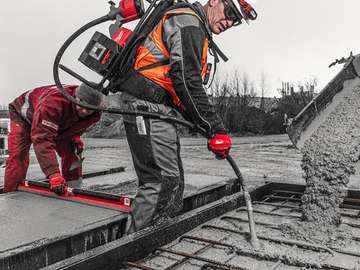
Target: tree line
point(243, 112)
point(237, 100)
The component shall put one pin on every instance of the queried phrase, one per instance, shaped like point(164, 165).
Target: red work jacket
point(52, 118)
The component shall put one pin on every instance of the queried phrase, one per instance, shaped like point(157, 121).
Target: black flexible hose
point(60, 53)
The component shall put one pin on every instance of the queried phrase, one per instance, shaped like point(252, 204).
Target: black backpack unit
point(113, 57)
point(124, 68)
point(114, 60)
point(140, 33)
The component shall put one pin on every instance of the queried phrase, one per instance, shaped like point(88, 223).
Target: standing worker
point(45, 118)
point(167, 78)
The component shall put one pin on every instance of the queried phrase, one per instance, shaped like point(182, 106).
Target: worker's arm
point(78, 144)
point(185, 39)
point(47, 119)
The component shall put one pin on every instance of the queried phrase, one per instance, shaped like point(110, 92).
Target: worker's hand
point(78, 144)
point(58, 184)
point(220, 145)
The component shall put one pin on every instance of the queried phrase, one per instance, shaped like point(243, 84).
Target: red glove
point(58, 184)
point(220, 145)
point(78, 144)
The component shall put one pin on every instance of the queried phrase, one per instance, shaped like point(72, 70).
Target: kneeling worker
point(45, 118)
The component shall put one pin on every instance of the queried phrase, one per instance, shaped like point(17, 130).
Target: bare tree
point(252, 93)
point(263, 87)
point(307, 88)
point(310, 84)
point(245, 84)
point(248, 89)
point(233, 94)
point(221, 93)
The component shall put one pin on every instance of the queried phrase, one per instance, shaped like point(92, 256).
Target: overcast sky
point(291, 40)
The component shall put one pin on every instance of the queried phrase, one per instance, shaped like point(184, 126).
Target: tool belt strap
point(141, 87)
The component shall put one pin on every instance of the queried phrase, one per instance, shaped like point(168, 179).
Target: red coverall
point(45, 118)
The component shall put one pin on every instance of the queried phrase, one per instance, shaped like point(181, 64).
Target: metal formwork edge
point(138, 245)
point(50, 251)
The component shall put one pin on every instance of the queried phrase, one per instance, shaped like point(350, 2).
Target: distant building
point(267, 104)
point(4, 131)
point(4, 113)
point(288, 89)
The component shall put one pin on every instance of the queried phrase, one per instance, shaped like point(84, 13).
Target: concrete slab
point(105, 182)
point(37, 231)
point(126, 183)
point(200, 181)
point(27, 220)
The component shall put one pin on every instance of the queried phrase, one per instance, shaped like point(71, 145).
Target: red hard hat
point(243, 10)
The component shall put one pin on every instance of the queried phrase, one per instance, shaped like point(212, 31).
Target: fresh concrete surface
point(125, 183)
point(28, 219)
point(242, 254)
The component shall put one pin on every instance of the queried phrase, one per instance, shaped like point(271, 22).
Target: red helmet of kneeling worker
point(243, 10)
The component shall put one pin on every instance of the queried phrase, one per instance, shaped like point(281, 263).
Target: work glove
point(78, 144)
point(58, 184)
point(220, 145)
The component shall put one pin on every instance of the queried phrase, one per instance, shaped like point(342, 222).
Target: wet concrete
point(329, 158)
point(271, 255)
point(61, 221)
point(339, 236)
point(29, 220)
point(46, 218)
point(117, 184)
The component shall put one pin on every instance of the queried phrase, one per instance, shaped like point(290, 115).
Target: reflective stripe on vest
point(25, 107)
point(153, 51)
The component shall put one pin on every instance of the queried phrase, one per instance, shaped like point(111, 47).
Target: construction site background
point(244, 109)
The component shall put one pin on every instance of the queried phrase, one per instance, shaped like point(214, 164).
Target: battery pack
point(99, 53)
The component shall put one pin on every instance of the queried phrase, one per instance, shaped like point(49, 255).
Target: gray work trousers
point(155, 149)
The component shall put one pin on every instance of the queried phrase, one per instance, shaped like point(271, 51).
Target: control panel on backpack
point(101, 51)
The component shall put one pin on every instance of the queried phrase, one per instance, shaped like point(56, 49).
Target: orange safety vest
point(146, 56)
